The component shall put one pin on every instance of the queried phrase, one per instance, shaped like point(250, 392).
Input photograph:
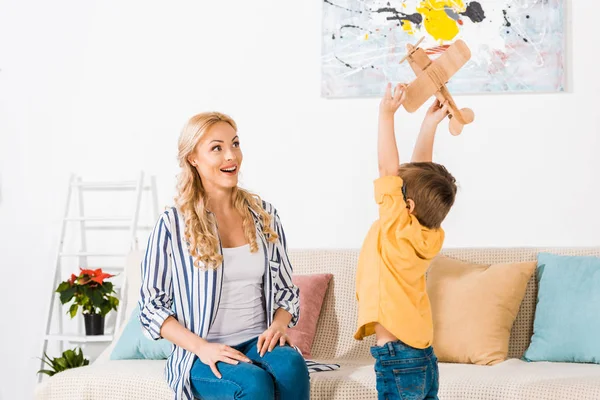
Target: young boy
point(413, 199)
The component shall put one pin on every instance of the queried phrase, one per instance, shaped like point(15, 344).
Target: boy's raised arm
point(423, 151)
point(387, 152)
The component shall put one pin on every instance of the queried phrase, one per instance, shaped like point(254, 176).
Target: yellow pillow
point(474, 307)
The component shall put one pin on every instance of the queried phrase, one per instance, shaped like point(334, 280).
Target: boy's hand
point(436, 113)
point(390, 103)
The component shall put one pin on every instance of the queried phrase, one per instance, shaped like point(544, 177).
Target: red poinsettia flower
point(91, 275)
point(100, 276)
point(73, 279)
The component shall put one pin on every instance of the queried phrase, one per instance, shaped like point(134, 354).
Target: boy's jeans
point(405, 373)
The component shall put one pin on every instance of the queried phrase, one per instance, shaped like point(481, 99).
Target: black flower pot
point(94, 324)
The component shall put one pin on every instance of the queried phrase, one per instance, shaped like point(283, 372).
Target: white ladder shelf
point(117, 223)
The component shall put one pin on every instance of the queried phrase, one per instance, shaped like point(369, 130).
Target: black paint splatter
point(350, 66)
point(355, 27)
point(508, 24)
point(506, 21)
point(343, 8)
point(474, 12)
point(415, 18)
point(344, 62)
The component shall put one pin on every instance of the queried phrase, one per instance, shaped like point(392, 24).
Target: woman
point(217, 279)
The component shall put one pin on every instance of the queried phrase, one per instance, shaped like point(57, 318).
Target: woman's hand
point(212, 353)
point(269, 338)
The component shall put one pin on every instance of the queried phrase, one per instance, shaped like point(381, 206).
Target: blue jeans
point(280, 374)
point(405, 373)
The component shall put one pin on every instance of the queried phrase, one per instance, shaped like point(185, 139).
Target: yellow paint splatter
point(366, 36)
point(407, 26)
point(437, 23)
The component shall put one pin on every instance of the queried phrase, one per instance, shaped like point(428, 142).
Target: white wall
point(103, 88)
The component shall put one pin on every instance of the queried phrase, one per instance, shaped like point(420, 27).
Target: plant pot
point(94, 324)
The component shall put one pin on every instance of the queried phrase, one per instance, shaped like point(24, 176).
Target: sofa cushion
point(312, 292)
point(130, 295)
point(509, 380)
point(474, 307)
point(144, 379)
point(567, 317)
point(519, 380)
point(134, 345)
point(111, 380)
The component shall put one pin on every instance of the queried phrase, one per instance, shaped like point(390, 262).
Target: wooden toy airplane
point(432, 77)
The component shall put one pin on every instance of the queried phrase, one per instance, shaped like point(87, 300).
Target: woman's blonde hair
point(200, 227)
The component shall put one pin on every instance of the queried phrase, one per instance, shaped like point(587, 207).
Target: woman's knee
point(288, 365)
point(292, 381)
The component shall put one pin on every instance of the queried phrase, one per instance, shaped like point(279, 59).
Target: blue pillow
point(134, 345)
point(567, 315)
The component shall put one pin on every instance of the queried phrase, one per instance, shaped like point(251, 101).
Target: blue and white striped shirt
point(171, 285)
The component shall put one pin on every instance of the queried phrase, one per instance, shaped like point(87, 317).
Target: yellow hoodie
point(390, 280)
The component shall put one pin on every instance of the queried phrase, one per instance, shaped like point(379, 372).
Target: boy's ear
point(410, 204)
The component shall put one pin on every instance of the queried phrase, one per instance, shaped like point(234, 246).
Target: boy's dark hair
point(432, 188)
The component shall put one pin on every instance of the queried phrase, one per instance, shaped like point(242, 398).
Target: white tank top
point(241, 313)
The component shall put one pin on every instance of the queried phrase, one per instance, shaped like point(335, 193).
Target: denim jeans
point(405, 373)
point(280, 374)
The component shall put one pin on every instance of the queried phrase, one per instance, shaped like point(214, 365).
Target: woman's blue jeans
point(279, 374)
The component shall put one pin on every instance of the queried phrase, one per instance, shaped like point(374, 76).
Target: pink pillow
point(312, 292)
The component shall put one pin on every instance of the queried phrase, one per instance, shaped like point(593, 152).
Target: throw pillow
point(134, 345)
point(312, 293)
point(474, 307)
point(567, 316)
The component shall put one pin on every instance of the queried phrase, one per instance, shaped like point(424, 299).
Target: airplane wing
point(453, 58)
point(418, 61)
point(418, 91)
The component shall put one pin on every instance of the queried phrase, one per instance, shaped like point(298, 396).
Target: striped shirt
point(172, 286)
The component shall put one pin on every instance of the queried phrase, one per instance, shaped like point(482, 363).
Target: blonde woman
point(217, 281)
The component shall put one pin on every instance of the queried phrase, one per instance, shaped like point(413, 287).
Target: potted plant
point(93, 294)
point(70, 359)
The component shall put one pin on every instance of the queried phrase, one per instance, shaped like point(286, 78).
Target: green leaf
point(47, 360)
point(61, 362)
point(96, 298)
point(67, 295)
point(79, 356)
point(104, 309)
point(70, 359)
point(62, 287)
point(69, 356)
point(73, 310)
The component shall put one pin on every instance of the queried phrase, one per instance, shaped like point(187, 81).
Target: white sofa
point(512, 379)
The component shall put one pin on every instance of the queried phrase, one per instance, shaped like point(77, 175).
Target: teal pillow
point(134, 345)
point(567, 315)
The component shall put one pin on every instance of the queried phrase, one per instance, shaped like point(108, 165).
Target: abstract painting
point(516, 45)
